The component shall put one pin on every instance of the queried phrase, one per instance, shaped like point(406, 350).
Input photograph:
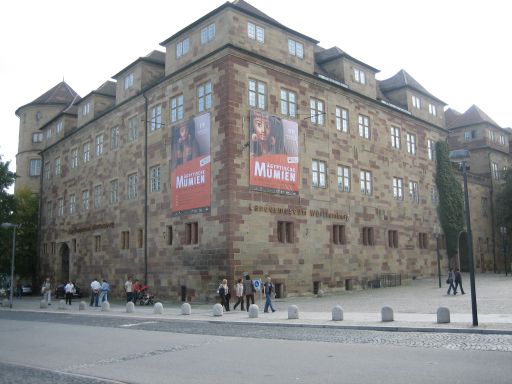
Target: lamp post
point(503, 231)
point(13, 226)
point(461, 156)
point(437, 234)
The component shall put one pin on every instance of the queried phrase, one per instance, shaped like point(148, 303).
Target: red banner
point(191, 166)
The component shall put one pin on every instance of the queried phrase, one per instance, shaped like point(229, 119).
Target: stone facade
point(93, 224)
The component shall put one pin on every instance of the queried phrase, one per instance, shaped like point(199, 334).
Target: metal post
point(438, 260)
point(470, 247)
point(503, 230)
point(12, 264)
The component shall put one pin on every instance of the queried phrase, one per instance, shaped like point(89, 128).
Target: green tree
point(451, 200)
point(6, 214)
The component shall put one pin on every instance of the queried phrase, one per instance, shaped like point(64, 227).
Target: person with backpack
point(268, 289)
point(248, 291)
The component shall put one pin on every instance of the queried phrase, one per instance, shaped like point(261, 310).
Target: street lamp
point(437, 234)
point(13, 226)
point(503, 231)
point(461, 156)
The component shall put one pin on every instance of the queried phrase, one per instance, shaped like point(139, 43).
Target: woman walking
point(239, 292)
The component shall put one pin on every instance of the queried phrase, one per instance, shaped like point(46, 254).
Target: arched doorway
point(64, 259)
point(463, 252)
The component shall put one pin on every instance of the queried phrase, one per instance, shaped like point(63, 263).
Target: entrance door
point(463, 252)
point(64, 257)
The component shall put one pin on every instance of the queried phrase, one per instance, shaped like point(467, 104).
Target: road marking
point(135, 324)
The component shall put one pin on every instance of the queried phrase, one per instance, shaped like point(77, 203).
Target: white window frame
point(128, 81)
point(342, 119)
point(74, 157)
point(177, 108)
point(37, 137)
point(34, 167)
point(495, 171)
point(359, 76)
point(208, 34)
point(257, 94)
point(343, 173)
point(411, 143)
point(114, 191)
point(204, 96)
point(99, 144)
point(395, 137)
point(72, 204)
point(432, 109)
point(86, 108)
point(295, 48)
point(98, 194)
point(319, 174)
point(316, 111)
point(364, 127)
point(133, 128)
point(288, 103)
point(398, 188)
point(431, 149)
point(182, 47)
point(416, 102)
point(58, 168)
point(414, 195)
point(85, 200)
point(60, 207)
point(155, 182)
point(156, 117)
point(114, 137)
point(58, 127)
point(133, 186)
point(366, 182)
point(87, 151)
point(255, 32)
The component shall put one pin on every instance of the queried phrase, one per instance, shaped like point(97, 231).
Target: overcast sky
point(460, 51)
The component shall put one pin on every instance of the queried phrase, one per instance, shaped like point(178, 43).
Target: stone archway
point(64, 260)
point(463, 252)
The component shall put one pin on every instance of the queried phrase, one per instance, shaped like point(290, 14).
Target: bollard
point(293, 312)
point(105, 306)
point(62, 304)
point(82, 306)
point(218, 310)
point(443, 315)
point(43, 304)
point(186, 309)
point(337, 313)
point(158, 309)
point(387, 313)
point(320, 293)
point(130, 307)
point(253, 311)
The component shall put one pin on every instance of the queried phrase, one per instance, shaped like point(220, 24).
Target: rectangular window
point(176, 108)
point(434, 195)
point(295, 48)
point(285, 232)
point(57, 166)
point(495, 171)
point(411, 143)
point(393, 239)
point(48, 133)
point(133, 186)
point(366, 182)
point(338, 234)
point(423, 240)
point(255, 32)
point(86, 108)
point(288, 103)
point(257, 94)
point(72, 204)
point(60, 207)
point(97, 243)
point(128, 81)
point(87, 152)
point(114, 138)
point(469, 135)
point(156, 118)
point(343, 178)
point(502, 140)
point(208, 34)
point(37, 137)
point(125, 240)
point(484, 206)
point(133, 129)
point(182, 48)
point(35, 167)
point(140, 238)
point(98, 194)
point(204, 96)
point(416, 102)
point(154, 178)
point(58, 127)
point(395, 137)
point(316, 111)
point(364, 127)
point(398, 188)
point(47, 170)
point(413, 192)
point(168, 235)
point(342, 119)
point(99, 145)
point(319, 173)
point(114, 192)
point(74, 158)
point(368, 236)
point(432, 109)
point(191, 233)
point(431, 148)
point(85, 200)
point(359, 76)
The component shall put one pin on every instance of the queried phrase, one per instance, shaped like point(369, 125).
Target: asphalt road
point(61, 348)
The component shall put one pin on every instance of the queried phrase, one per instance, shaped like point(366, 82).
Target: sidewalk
point(414, 305)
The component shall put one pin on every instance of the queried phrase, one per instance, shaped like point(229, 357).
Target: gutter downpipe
point(145, 188)
point(493, 218)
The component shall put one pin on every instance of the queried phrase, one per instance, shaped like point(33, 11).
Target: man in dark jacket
point(248, 291)
point(458, 281)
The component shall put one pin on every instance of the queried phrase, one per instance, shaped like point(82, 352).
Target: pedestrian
point(458, 281)
point(137, 288)
point(239, 292)
point(449, 281)
point(69, 290)
point(104, 290)
point(248, 291)
point(224, 294)
point(19, 289)
point(128, 288)
point(46, 291)
point(268, 289)
point(95, 292)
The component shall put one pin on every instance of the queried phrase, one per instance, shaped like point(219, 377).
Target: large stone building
point(165, 175)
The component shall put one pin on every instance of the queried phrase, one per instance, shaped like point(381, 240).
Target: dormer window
point(58, 127)
point(432, 109)
point(128, 81)
point(359, 76)
point(182, 48)
point(416, 103)
point(295, 48)
point(86, 108)
point(256, 32)
point(208, 34)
